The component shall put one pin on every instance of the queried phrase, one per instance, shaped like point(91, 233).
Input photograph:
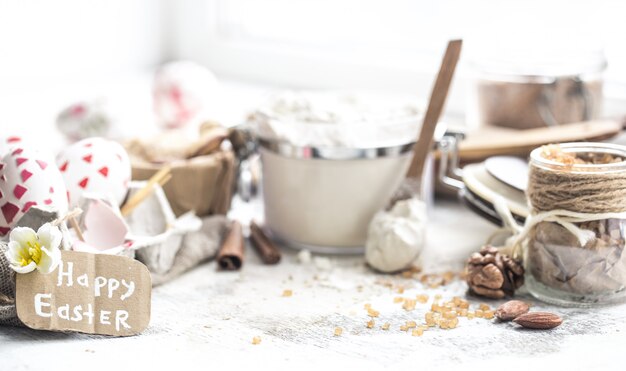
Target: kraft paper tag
point(89, 293)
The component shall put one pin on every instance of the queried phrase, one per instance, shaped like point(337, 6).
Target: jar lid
point(613, 156)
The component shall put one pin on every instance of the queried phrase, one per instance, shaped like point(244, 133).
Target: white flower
point(29, 250)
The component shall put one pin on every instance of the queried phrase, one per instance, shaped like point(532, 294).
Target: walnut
point(492, 274)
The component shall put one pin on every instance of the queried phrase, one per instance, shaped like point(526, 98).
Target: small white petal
point(50, 259)
point(25, 269)
point(22, 235)
point(14, 251)
point(49, 236)
point(8, 254)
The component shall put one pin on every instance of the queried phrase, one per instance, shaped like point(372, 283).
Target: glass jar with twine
point(573, 241)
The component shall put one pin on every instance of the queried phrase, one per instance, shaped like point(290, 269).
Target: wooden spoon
point(438, 97)
point(411, 185)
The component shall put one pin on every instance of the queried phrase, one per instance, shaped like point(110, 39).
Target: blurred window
point(402, 34)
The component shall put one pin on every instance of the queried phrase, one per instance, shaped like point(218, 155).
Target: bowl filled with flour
point(330, 162)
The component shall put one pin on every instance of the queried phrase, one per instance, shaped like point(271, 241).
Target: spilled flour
point(396, 237)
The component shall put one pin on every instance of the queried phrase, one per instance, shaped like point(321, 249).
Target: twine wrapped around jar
point(584, 192)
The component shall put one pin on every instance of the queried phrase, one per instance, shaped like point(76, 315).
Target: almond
point(511, 310)
point(539, 320)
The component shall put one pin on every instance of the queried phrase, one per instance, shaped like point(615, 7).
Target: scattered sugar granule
point(338, 331)
point(418, 332)
point(372, 313)
point(287, 293)
point(256, 340)
point(409, 304)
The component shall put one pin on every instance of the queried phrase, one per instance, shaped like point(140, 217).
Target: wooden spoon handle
point(435, 106)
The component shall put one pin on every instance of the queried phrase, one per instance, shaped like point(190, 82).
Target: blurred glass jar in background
point(530, 85)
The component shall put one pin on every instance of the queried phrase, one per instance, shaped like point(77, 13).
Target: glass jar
point(530, 87)
point(574, 251)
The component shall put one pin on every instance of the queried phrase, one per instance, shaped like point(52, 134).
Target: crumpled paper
point(196, 248)
point(557, 260)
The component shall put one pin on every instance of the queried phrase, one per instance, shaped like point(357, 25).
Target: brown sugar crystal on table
point(372, 313)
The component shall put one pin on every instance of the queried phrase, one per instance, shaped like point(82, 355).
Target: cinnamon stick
point(268, 252)
point(230, 255)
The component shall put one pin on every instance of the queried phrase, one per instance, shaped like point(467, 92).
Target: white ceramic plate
point(480, 182)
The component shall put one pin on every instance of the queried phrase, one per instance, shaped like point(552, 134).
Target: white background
point(53, 53)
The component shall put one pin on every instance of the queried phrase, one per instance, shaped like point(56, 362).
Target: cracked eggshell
point(104, 229)
point(103, 226)
point(28, 179)
point(96, 166)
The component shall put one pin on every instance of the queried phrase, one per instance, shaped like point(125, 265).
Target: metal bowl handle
point(449, 171)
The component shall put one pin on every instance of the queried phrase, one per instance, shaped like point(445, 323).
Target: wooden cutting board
point(487, 142)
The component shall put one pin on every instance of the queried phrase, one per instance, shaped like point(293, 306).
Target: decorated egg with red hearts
point(8, 143)
point(96, 166)
point(26, 180)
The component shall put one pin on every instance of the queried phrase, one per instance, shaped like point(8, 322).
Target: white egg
point(97, 166)
point(183, 91)
point(27, 179)
point(85, 119)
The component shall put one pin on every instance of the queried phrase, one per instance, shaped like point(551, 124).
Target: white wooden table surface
point(207, 319)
